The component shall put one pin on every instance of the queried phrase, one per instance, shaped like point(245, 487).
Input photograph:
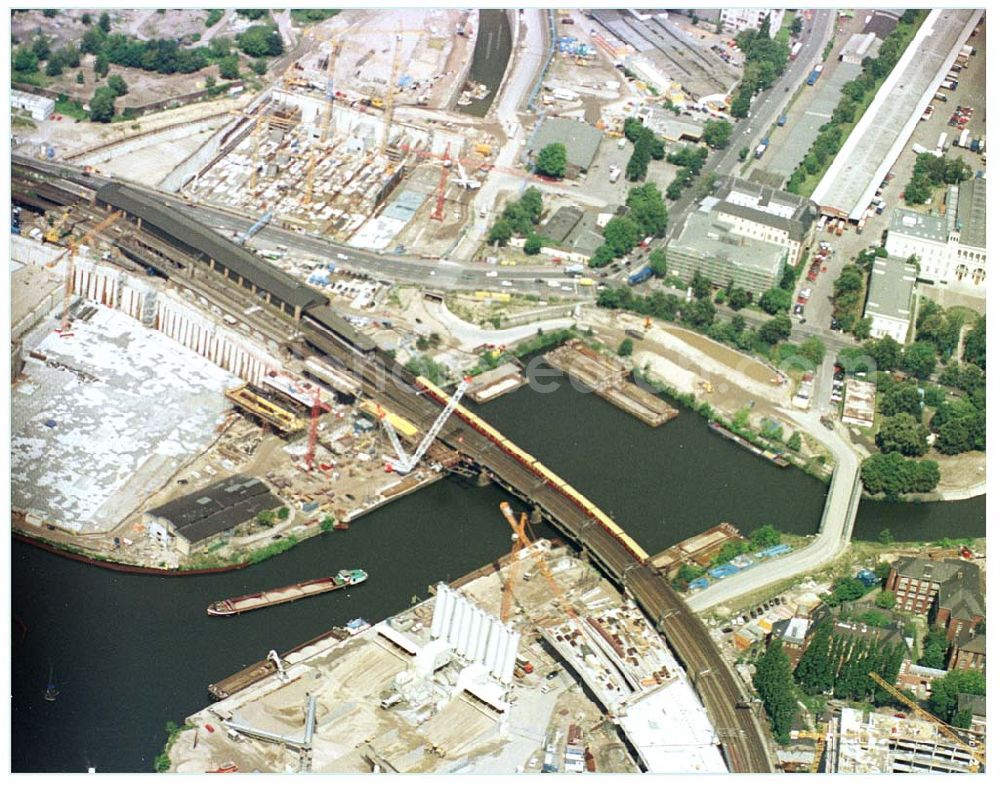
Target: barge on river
point(773, 457)
point(297, 591)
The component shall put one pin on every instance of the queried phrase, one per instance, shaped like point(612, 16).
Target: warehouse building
point(760, 212)
point(38, 106)
point(580, 139)
point(951, 248)
point(185, 522)
point(890, 297)
point(709, 245)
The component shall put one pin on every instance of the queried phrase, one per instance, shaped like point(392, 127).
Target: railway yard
point(311, 282)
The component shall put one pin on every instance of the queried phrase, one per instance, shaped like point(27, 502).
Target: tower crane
point(543, 566)
point(334, 53)
point(71, 268)
point(514, 567)
point(390, 95)
point(978, 753)
point(438, 214)
point(404, 463)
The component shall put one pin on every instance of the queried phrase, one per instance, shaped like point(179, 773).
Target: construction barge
point(608, 377)
point(771, 455)
point(297, 591)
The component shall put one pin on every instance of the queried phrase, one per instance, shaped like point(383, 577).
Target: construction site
point(94, 343)
point(532, 664)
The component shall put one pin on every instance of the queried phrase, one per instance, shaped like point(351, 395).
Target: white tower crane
point(404, 463)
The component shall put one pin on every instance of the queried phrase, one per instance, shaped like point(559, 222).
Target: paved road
point(766, 107)
point(835, 528)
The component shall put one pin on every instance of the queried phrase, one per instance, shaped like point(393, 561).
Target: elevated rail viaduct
point(734, 716)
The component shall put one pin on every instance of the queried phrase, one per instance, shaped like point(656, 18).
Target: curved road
point(834, 533)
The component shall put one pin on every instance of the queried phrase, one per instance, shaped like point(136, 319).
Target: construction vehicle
point(71, 269)
point(58, 230)
point(978, 753)
point(706, 386)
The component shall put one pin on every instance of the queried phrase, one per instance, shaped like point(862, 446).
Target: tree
point(935, 645)
point(40, 46)
point(862, 328)
point(699, 314)
point(102, 105)
point(551, 160)
point(744, 152)
point(625, 348)
point(104, 22)
point(813, 349)
point(260, 41)
point(500, 233)
point(326, 525)
point(117, 85)
point(816, 669)
point(777, 329)
point(846, 589)
point(229, 67)
point(53, 67)
point(902, 433)
point(647, 209)
point(25, 61)
point(773, 682)
point(886, 352)
point(621, 234)
point(252, 13)
point(259, 66)
point(739, 298)
point(944, 699)
point(86, 19)
point(701, 286)
point(283, 513)
point(602, 256)
point(775, 300)
point(716, 133)
point(101, 66)
point(885, 537)
point(658, 263)
point(765, 536)
point(796, 26)
point(975, 344)
point(794, 442)
point(886, 599)
point(69, 55)
point(265, 517)
point(920, 359)
point(901, 398)
point(533, 244)
point(79, 77)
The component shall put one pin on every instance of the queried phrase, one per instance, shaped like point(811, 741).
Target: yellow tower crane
point(543, 567)
point(514, 566)
point(978, 753)
point(71, 267)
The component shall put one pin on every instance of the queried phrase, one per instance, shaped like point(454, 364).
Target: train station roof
point(186, 232)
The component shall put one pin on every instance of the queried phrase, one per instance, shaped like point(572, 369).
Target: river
point(128, 652)
point(489, 58)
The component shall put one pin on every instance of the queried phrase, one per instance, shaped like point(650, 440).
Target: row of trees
point(765, 62)
point(646, 146)
point(646, 217)
point(690, 159)
point(841, 663)
point(930, 172)
point(773, 682)
point(855, 96)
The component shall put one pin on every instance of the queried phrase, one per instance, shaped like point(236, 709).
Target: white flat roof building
point(40, 107)
point(890, 297)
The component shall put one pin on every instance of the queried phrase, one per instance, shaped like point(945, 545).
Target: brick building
point(967, 652)
point(948, 591)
